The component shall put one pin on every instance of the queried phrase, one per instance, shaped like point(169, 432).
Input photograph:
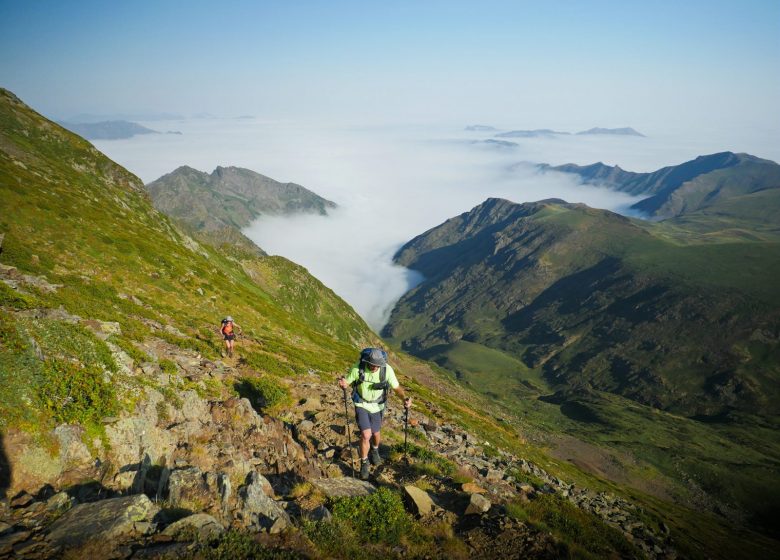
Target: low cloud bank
point(391, 184)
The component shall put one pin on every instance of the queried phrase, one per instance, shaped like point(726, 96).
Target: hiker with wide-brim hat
point(370, 378)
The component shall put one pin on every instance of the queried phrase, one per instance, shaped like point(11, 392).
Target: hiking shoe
point(374, 457)
point(364, 470)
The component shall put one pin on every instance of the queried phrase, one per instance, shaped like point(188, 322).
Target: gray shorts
point(369, 420)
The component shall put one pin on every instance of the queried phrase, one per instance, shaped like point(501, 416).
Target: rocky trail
point(188, 464)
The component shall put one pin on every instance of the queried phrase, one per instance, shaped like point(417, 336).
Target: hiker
point(370, 379)
point(228, 331)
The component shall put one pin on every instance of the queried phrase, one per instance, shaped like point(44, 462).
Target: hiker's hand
point(342, 383)
point(408, 402)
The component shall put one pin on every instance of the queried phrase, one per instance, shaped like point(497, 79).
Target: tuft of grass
point(426, 462)
point(238, 545)
point(169, 366)
point(379, 517)
point(585, 534)
point(263, 392)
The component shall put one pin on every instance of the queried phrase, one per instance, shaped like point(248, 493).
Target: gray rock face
point(107, 521)
point(257, 509)
point(187, 488)
point(204, 525)
point(343, 487)
point(478, 504)
point(419, 500)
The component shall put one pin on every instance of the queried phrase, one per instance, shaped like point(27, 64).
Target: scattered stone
point(5, 528)
point(106, 521)
point(472, 488)
point(343, 487)
point(201, 523)
point(305, 426)
point(187, 489)
point(60, 502)
point(257, 509)
point(419, 500)
point(478, 504)
point(320, 513)
point(494, 475)
point(22, 500)
point(8, 541)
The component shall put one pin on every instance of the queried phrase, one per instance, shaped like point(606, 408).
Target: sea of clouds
point(394, 182)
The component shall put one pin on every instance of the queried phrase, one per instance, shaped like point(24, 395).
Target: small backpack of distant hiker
point(227, 327)
point(368, 355)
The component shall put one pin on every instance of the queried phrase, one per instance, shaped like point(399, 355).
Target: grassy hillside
point(75, 218)
point(573, 316)
point(90, 272)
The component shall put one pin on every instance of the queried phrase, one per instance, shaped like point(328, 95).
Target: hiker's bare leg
point(365, 438)
point(377, 439)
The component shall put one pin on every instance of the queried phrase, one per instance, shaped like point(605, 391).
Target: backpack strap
point(382, 384)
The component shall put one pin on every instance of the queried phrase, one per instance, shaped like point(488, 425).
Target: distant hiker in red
point(228, 331)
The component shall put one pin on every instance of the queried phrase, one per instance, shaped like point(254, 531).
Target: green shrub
point(73, 392)
point(263, 392)
point(16, 300)
point(334, 538)
point(169, 366)
point(379, 517)
point(427, 462)
point(138, 356)
point(576, 527)
point(239, 545)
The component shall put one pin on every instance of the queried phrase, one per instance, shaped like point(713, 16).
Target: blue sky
point(567, 63)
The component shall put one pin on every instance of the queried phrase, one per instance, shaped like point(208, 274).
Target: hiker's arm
point(400, 392)
point(351, 376)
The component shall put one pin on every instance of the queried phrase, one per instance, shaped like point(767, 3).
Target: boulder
point(472, 488)
point(257, 510)
point(187, 489)
point(343, 487)
point(478, 504)
point(201, 524)
point(107, 521)
point(320, 513)
point(60, 502)
point(418, 500)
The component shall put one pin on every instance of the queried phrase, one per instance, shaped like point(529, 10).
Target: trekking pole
point(406, 430)
point(349, 434)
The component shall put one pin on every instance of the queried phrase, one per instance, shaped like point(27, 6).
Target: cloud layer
point(391, 183)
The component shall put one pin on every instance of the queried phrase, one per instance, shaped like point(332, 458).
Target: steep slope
point(588, 323)
point(73, 217)
point(704, 183)
point(113, 384)
point(590, 297)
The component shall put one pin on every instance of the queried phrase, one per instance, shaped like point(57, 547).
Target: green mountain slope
point(703, 184)
point(593, 298)
point(230, 196)
point(77, 221)
point(92, 277)
point(578, 319)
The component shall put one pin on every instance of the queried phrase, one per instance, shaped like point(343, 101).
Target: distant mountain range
point(739, 185)
point(497, 143)
point(220, 204)
point(109, 130)
point(480, 128)
point(530, 133)
point(627, 131)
